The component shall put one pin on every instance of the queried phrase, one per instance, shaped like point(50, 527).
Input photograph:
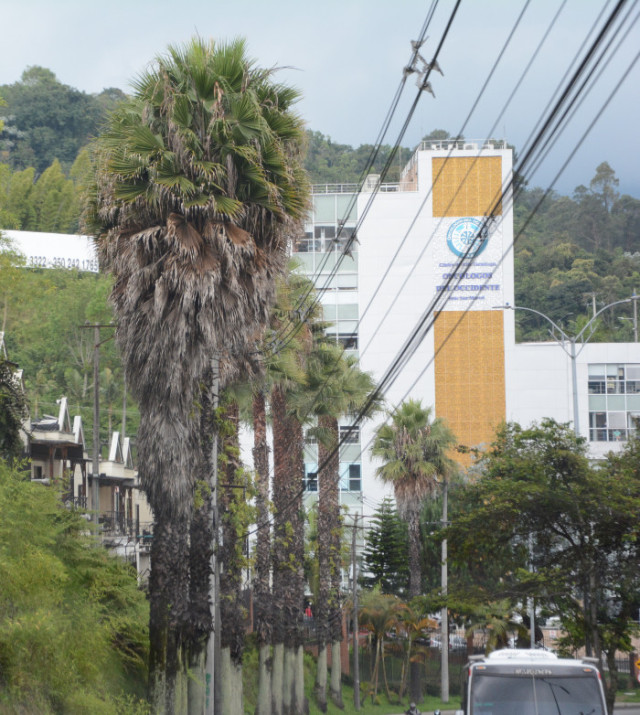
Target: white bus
point(532, 682)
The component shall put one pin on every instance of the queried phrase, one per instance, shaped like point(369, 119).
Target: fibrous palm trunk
point(328, 607)
point(288, 547)
point(230, 485)
point(168, 616)
point(262, 591)
point(200, 553)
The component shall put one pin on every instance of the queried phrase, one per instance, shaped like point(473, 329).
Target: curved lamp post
point(571, 350)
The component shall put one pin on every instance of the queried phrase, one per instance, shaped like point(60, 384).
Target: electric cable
point(390, 372)
point(549, 120)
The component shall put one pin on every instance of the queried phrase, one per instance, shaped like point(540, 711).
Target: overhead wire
point(391, 157)
point(536, 207)
point(391, 371)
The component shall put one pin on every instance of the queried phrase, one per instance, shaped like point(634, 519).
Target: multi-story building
point(429, 263)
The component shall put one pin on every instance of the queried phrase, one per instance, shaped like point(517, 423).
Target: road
point(635, 710)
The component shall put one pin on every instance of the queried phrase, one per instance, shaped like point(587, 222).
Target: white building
point(413, 270)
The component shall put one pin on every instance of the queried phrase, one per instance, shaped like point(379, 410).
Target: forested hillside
point(571, 252)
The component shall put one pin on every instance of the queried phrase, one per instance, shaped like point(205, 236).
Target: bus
point(532, 682)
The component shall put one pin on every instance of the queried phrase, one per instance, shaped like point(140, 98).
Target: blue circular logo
point(467, 237)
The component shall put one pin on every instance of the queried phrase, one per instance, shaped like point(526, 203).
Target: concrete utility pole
point(356, 643)
point(444, 616)
point(213, 704)
point(95, 468)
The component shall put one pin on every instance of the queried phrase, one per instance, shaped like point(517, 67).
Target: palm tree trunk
point(231, 552)
point(329, 560)
point(201, 550)
point(288, 533)
point(262, 591)
point(281, 574)
point(328, 521)
point(167, 618)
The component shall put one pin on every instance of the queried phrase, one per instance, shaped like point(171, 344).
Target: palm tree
point(282, 367)
point(336, 387)
point(198, 184)
point(288, 477)
point(413, 448)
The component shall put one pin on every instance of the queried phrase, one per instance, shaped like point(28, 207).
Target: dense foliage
point(73, 624)
point(46, 120)
point(386, 552)
point(543, 522)
point(44, 313)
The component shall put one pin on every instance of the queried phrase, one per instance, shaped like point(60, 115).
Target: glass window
point(347, 281)
point(616, 402)
point(633, 402)
point(348, 340)
point(311, 481)
point(343, 204)
point(350, 477)
point(633, 372)
point(329, 312)
point(617, 420)
point(632, 420)
point(351, 435)
point(621, 385)
point(348, 311)
point(354, 477)
point(324, 208)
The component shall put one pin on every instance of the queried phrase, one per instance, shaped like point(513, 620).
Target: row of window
point(350, 478)
point(614, 401)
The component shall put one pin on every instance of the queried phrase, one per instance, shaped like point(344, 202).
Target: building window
point(311, 482)
point(350, 434)
point(349, 342)
point(350, 480)
point(614, 401)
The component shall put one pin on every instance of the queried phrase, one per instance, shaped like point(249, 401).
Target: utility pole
point(95, 466)
point(444, 616)
point(356, 644)
point(213, 704)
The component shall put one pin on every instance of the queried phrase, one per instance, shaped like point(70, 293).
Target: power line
point(391, 373)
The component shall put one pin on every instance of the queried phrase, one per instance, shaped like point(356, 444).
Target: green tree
point(46, 120)
point(13, 409)
point(73, 632)
point(207, 138)
point(540, 499)
point(386, 552)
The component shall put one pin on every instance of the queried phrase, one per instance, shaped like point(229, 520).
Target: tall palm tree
point(288, 477)
point(413, 448)
point(198, 183)
point(282, 367)
point(336, 387)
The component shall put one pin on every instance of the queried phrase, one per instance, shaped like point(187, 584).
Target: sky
point(347, 59)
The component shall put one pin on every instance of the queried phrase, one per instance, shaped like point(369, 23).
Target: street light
point(571, 351)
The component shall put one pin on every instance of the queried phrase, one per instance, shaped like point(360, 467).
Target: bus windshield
point(506, 694)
